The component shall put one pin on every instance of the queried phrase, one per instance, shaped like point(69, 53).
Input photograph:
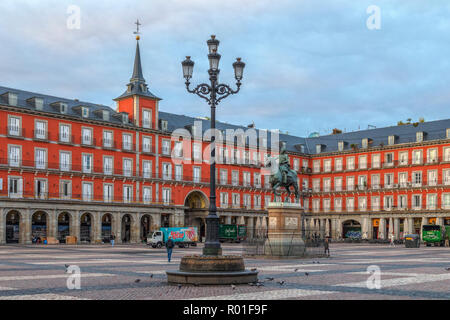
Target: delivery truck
point(181, 236)
point(232, 232)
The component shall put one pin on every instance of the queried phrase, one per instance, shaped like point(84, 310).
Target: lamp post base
point(218, 270)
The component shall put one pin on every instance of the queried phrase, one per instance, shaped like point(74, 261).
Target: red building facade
point(74, 168)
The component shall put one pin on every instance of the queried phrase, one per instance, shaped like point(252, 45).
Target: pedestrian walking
point(112, 238)
point(327, 246)
point(169, 247)
point(392, 240)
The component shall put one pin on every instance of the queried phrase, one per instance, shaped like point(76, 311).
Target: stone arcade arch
point(126, 228)
point(86, 231)
point(197, 203)
point(64, 220)
point(39, 223)
point(351, 229)
point(12, 226)
point(107, 227)
point(145, 228)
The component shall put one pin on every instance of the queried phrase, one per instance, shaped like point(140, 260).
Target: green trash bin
point(412, 241)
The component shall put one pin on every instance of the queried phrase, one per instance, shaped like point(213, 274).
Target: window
point(375, 180)
point(40, 158)
point(375, 203)
point(419, 136)
point(391, 140)
point(362, 182)
point(86, 136)
point(125, 118)
point(403, 179)
point(296, 164)
point(108, 139)
point(224, 199)
point(326, 205)
point(432, 178)
point(350, 183)
point(127, 194)
point(40, 189)
point(338, 204)
point(402, 202)
point(267, 200)
point(87, 163)
point(318, 148)
point(196, 150)
point(316, 166)
point(315, 205)
point(446, 176)
point(432, 156)
point(12, 99)
point(166, 195)
point(40, 131)
point(431, 201)
point(64, 133)
point(417, 157)
point(236, 200)
point(388, 180)
point(365, 143)
point(362, 203)
point(146, 144)
point(63, 107)
point(446, 200)
point(235, 178)
point(327, 165)
point(417, 178)
point(316, 185)
point(147, 169)
point(178, 149)
point(403, 158)
point(108, 165)
point(167, 171)
point(105, 115)
point(417, 201)
point(350, 163)
point(127, 167)
point(65, 189)
point(64, 160)
point(389, 159)
point(14, 128)
point(247, 201)
point(87, 191)
point(108, 192)
point(84, 112)
point(223, 176)
point(147, 118)
point(246, 179)
point(388, 202)
point(147, 195)
point(375, 161)
point(15, 187)
point(126, 141)
point(164, 125)
point(338, 184)
point(179, 172)
point(326, 184)
point(338, 164)
point(15, 156)
point(257, 201)
point(341, 146)
point(447, 154)
point(362, 162)
point(196, 174)
point(166, 147)
point(257, 179)
point(350, 204)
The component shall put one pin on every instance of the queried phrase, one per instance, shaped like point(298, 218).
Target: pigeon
point(253, 269)
point(151, 275)
point(179, 286)
point(137, 280)
point(318, 262)
point(281, 282)
point(233, 286)
point(306, 274)
point(448, 269)
point(67, 266)
point(295, 270)
point(269, 279)
point(259, 284)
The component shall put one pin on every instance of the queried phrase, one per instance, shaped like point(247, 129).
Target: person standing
point(169, 247)
point(392, 239)
point(112, 238)
point(327, 246)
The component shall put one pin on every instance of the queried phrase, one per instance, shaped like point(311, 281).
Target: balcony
point(15, 132)
point(88, 142)
point(65, 138)
point(41, 135)
point(109, 144)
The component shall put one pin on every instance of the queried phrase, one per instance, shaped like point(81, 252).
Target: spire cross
point(137, 27)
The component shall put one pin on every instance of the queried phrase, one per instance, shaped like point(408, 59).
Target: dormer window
point(365, 143)
point(419, 136)
point(341, 145)
point(125, 118)
point(318, 148)
point(11, 98)
point(39, 103)
point(84, 112)
point(105, 115)
point(391, 140)
point(164, 125)
point(447, 133)
point(63, 107)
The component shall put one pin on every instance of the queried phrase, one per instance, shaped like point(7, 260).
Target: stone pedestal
point(285, 238)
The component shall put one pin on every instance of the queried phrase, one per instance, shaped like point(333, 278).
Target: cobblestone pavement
point(39, 272)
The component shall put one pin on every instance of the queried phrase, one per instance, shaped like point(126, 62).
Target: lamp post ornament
point(213, 93)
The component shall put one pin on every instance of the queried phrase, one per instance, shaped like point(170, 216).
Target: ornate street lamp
point(213, 93)
point(212, 267)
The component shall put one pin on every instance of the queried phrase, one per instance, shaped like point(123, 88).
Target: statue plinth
point(285, 238)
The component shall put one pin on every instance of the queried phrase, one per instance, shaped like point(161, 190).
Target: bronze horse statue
point(276, 180)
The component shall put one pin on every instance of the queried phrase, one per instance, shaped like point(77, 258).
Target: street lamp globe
point(188, 68)
point(238, 69)
point(213, 44)
point(214, 59)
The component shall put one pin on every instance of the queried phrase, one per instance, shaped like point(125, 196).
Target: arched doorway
point(12, 227)
point(39, 226)
point(351, 229)
point(196, 200)
point(86, 227)
point(106, 227)
point(126, 228)
point(146, 223)
point(197, 203)
point(63, 226)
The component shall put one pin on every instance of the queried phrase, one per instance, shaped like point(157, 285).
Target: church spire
point(137, 71)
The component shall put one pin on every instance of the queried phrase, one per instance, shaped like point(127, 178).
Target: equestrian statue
point(284, 176)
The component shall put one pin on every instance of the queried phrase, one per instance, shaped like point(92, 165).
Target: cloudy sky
point(310, 65)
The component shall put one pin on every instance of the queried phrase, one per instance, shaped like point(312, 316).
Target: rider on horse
point(284, 164)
